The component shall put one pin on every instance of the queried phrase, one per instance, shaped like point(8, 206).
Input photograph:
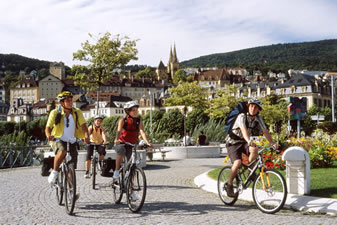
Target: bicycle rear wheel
point(271, 198)
point(59, 188)
point(93, 172)
point(136, 189)
point(117, 187)
point(70, 188)
point(222, 183)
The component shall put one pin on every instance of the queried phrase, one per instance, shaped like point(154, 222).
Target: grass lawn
point(323, 180)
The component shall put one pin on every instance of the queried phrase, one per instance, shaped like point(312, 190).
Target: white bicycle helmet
point(130, 104)
point(256, 102)
point(99, 117)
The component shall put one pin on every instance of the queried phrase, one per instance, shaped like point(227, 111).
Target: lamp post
point(150, 113)
point(332, 75)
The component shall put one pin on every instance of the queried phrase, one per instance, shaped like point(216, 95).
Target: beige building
point(27, 89)
point(50, 87)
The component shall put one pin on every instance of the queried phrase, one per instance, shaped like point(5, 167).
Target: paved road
point(172, 198)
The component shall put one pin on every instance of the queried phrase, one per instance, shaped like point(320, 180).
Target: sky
point(53, 30)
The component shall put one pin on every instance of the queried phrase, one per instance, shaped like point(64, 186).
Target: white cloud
point(53, 29)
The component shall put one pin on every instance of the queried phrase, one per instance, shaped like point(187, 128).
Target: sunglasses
point(67, 120)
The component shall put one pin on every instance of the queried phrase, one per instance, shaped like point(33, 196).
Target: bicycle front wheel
point(59, 188)
point(93, 172)
point(222, 183)
point(117, 187)
point(136, 189)
point(270, 191)
point(70, 188)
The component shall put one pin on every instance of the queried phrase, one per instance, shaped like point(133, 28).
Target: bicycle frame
point(128, 164)
point(258, 164)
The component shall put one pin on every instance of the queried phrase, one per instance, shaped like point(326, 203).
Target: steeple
point(171, 56)
point(175, 59)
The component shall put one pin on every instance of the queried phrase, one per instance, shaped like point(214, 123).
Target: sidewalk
point(297, 202)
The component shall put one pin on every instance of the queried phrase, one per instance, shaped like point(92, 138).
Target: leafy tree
point(102, 57)
point(172, 124)
point(196, 117)
point(146, 73)
point(6, 128)
point(188, 94)
point(179, 76)
point(36, 128)
point(223, 102)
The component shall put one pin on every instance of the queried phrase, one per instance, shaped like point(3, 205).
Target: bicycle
point(269, 187)
point(65, 183)
point(131, 181)
point(94, 165)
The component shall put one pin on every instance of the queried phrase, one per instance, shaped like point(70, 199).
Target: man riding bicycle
point(67, 124)
point(239, 139)
point(127, 131)
point(97, 136)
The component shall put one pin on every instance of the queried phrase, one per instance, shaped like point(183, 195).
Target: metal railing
point(17, 156)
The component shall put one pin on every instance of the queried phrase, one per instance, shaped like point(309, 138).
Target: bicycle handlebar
point(128, 143)
point(96, 144)
point(77, 140)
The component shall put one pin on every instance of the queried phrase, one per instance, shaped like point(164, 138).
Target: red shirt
point(130, 134)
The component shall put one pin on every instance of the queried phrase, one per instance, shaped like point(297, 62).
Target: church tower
point(173, 64)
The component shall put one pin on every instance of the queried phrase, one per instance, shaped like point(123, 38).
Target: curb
point(296, 202)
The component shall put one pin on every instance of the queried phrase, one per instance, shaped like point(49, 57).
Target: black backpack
point(108, 167)
point(126, 124)
point(47, 164)
point(241, 107)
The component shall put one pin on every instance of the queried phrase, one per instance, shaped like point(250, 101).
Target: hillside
point(15, 63)
point(318, 55)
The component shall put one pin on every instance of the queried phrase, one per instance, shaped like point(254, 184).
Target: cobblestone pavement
point(172, 198)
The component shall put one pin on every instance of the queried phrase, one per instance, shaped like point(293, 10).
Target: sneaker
point(87, 175)
point(116, 175)
point(133, 197)
point(230, 190)
point(52, 177)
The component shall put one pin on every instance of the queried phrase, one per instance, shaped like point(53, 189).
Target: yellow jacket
point(58, 128)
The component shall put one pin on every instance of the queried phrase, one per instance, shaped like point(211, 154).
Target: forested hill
point(15, 63)
point(318, 55)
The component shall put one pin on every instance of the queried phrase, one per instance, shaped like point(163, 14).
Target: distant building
point(167, 73)
point(27, 90)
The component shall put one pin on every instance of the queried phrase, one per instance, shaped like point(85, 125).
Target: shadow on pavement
point(155, 167)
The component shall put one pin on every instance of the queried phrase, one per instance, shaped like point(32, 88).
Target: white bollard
point(297, 170)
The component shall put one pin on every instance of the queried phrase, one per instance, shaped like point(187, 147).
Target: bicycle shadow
point(155, 167)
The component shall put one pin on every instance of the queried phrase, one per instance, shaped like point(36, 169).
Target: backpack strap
point(126, 123)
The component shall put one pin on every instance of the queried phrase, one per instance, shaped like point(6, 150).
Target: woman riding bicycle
point(97, 136)
point(127, 131)
point(239, 141)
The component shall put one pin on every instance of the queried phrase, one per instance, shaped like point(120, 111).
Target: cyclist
point(127, 131)
point(98, 136)
point(240, 142)
point(67, 124)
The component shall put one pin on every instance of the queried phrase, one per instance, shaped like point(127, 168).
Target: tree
point(107, 54)
point(178, 76)
point(146, 73)
point(188, 94)
point(223, 102)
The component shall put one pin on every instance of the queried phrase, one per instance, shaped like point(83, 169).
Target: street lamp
point(150, 113)
point(332, 75)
